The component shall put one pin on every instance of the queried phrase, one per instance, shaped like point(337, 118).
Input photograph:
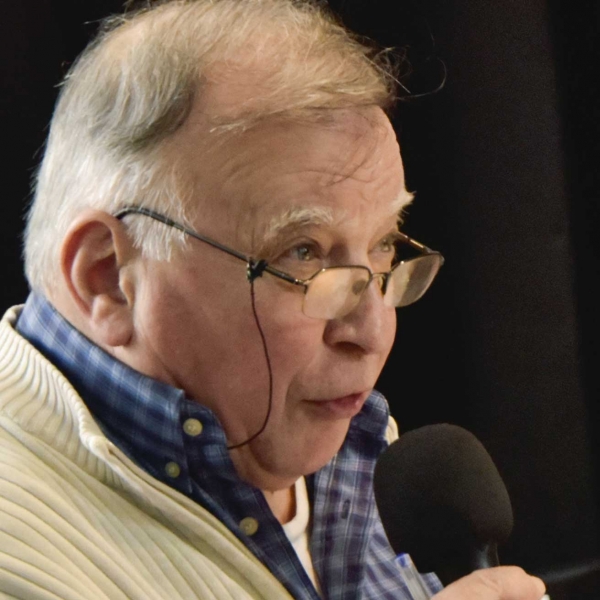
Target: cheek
point(195, 319)
point(279, 311)
point(294, 341)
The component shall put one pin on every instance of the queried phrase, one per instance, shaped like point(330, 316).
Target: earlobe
point(95, 257)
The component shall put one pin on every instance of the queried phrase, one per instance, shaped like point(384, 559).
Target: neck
point(282, 503)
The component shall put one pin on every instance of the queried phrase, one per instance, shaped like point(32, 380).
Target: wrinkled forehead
point(286, 173)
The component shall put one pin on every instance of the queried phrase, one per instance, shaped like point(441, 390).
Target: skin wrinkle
point(357, 162)
point(257, 241)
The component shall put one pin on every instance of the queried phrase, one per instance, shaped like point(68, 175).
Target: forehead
point(282, 175)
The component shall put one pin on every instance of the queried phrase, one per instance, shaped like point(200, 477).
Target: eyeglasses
point(333, 292)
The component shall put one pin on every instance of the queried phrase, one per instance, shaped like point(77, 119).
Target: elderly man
point(187, 404)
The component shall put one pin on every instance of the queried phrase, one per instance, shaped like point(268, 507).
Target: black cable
point(270, 371)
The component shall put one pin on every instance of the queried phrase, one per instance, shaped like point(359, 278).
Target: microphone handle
point(463, 563)
point(482, 557)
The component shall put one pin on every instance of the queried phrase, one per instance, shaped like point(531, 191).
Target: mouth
point(344, 407)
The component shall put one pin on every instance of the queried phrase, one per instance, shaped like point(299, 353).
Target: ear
point(96, 263)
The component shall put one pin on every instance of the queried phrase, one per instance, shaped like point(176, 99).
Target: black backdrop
point(503, 160)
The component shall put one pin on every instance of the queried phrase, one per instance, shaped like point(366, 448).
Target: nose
point(370, 327)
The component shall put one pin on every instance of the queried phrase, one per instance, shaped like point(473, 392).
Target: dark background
point(504, 161)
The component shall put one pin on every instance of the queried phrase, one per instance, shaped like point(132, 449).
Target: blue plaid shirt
point(146, 418)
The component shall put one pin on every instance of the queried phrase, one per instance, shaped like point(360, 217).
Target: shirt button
point(172, 469)
point(249, 525)
point(192, 427)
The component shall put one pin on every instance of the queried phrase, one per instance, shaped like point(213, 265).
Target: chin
point(319, 451)
point(284, 459)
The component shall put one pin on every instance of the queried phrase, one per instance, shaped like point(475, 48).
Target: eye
point(301, 259)
point(384, 253)
point(303, 252)
point(388, 243)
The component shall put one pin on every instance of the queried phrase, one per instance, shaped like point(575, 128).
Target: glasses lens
point(334, 292)
point(411, 279)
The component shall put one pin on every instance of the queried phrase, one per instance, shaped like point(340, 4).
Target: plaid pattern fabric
point(145, 418)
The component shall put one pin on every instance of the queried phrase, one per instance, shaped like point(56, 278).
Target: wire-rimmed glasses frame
point(333, 292)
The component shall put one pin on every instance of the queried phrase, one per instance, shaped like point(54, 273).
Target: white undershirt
point(296, 530)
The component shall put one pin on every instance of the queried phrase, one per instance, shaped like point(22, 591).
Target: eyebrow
point(298, 218)
point(403, 199)
point(291, 221)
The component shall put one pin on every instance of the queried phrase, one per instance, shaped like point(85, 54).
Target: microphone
point(442, 500)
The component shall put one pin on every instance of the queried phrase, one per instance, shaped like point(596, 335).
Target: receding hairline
point(256, 70)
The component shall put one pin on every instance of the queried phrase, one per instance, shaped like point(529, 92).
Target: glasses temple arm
point(417, 245)
point(255, 267)
point(162, 219)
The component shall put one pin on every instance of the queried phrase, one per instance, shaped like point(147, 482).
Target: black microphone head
point(440, 496)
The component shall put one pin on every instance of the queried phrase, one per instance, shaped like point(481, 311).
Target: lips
point(344, 407)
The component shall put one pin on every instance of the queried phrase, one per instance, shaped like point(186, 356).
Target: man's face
point(303, 197)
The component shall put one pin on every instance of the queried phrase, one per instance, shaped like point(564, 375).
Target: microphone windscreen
point(439, 495)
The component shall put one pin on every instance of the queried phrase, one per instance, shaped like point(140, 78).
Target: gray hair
point(134, 87)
